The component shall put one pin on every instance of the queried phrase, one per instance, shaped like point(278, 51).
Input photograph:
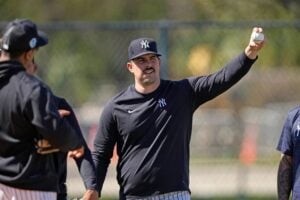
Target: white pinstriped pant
point(10, 193)
point(178, 195)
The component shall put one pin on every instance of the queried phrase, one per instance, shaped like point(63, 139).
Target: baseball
point(258, 37)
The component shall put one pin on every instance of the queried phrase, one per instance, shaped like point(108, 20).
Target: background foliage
point(85, 63)
point(82, 55)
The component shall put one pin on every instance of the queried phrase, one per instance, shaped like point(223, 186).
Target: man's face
point(145, 69)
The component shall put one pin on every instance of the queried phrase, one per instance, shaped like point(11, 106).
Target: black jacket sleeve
point(208, 87)
point(85, 163)
point(104, 144)
point(41, 109)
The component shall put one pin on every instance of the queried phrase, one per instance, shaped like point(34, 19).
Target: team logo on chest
point(162, 102)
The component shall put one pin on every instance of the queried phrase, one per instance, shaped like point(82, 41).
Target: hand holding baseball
point(257, 40)
point(257, 37)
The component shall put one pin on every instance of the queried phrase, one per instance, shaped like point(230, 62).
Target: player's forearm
point(284, 178)
point(87, 170)
point(101, 171)
point(251, 53)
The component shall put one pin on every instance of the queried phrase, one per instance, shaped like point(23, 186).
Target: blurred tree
point(84, 55)
point(122, 10)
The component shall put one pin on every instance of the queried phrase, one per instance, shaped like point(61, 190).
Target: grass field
point(214, 181)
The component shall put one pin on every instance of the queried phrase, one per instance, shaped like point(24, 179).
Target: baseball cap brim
point(144, 53)
point(42, 39)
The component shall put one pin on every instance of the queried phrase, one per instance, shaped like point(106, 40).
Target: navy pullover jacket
point(28, 111)
point(153, 131)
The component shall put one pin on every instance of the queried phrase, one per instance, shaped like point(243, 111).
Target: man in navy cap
point(29, 113)
point(151, 123)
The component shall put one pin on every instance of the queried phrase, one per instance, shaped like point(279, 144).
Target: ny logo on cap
point(144, 44)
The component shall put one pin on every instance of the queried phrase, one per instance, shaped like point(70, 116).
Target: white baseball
point(258, 37)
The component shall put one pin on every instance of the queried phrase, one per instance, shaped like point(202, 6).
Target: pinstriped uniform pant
point(178, 195)
point(10, 193)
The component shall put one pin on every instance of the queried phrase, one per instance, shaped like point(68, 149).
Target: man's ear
point(29, 55)
point(129, 66)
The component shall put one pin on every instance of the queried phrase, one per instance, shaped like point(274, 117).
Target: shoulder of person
point(294, 113)
point(29, 83)
point(30, 80)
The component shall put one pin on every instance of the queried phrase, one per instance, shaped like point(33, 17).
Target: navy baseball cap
point(141, 46)
point(22, 35)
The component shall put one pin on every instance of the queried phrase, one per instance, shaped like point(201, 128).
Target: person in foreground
point(151, 123)
point(82, 158)
point(29, 114)
point(288, 177)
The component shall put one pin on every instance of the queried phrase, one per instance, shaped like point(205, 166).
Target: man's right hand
point(90, 195)
point(63, 112)
point(77, 153)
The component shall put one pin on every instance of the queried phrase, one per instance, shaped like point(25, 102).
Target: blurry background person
point(288, 178)
point(28, 112)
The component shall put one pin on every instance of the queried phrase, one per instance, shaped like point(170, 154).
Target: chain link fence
point(234, 136)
